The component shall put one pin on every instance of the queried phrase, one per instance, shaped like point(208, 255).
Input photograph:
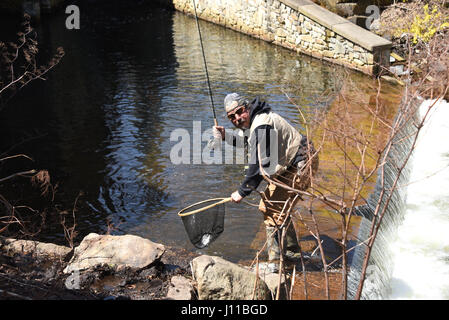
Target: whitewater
point(421, 249)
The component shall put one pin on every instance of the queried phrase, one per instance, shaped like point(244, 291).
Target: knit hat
point(233, 100)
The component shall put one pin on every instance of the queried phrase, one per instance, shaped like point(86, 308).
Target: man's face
point(240, 117)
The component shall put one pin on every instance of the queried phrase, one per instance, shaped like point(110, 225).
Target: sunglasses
point(238, 112)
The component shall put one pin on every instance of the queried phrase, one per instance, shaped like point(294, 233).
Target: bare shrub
point(18, 67)
point(420, 34)
point(18, 62)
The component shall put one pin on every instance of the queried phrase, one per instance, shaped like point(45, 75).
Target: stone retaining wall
point(299, 25)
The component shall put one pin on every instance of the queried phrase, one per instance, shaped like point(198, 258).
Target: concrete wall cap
point(339, 25)
point(361, 37)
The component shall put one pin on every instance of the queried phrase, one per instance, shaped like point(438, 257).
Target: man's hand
point(221, 130)
point(236, 197)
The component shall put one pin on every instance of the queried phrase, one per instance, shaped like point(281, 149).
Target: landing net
point(204, 220)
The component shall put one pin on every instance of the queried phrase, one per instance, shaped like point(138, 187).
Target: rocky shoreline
point(33, 270)
point(105, 267)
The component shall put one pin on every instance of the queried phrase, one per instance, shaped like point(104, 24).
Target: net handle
point(221, 201)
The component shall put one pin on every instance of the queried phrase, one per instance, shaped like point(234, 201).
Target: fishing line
point(205, 64)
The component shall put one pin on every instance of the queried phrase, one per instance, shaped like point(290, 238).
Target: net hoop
point(217, 202)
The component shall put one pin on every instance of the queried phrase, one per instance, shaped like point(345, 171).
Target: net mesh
point(204, 221)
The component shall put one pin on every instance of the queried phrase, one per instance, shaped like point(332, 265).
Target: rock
point(393, 80)
point(399, 70)
point(180, 289)
point(73, 281)
point(42, 249)
point(218, 279)
point(340, 48)
point(345, 9)
point(272, 280)
point(118, 251)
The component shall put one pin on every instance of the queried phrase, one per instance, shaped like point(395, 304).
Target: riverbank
point(35, 271)
point(129, 267)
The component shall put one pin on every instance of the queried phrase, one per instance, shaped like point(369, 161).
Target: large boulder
point(117, 251)
point(218, 279)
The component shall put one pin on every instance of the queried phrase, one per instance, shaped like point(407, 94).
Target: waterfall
point(379, 271)
point(421, 248)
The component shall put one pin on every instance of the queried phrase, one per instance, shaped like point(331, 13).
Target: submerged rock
point(117, 251)
point(218, 279)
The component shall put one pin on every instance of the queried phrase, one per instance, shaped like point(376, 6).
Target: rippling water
point(101, 123)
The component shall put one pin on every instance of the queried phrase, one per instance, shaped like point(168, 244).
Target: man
point(283, 154)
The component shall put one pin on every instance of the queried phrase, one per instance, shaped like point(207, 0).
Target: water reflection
point(130, 77)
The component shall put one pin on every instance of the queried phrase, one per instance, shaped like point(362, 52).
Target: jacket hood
point(258, 106)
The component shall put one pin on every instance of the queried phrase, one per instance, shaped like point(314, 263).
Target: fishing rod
point(205, 65)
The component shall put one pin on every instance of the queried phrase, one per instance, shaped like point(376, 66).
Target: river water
point(421, 248)
point(101, 123)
